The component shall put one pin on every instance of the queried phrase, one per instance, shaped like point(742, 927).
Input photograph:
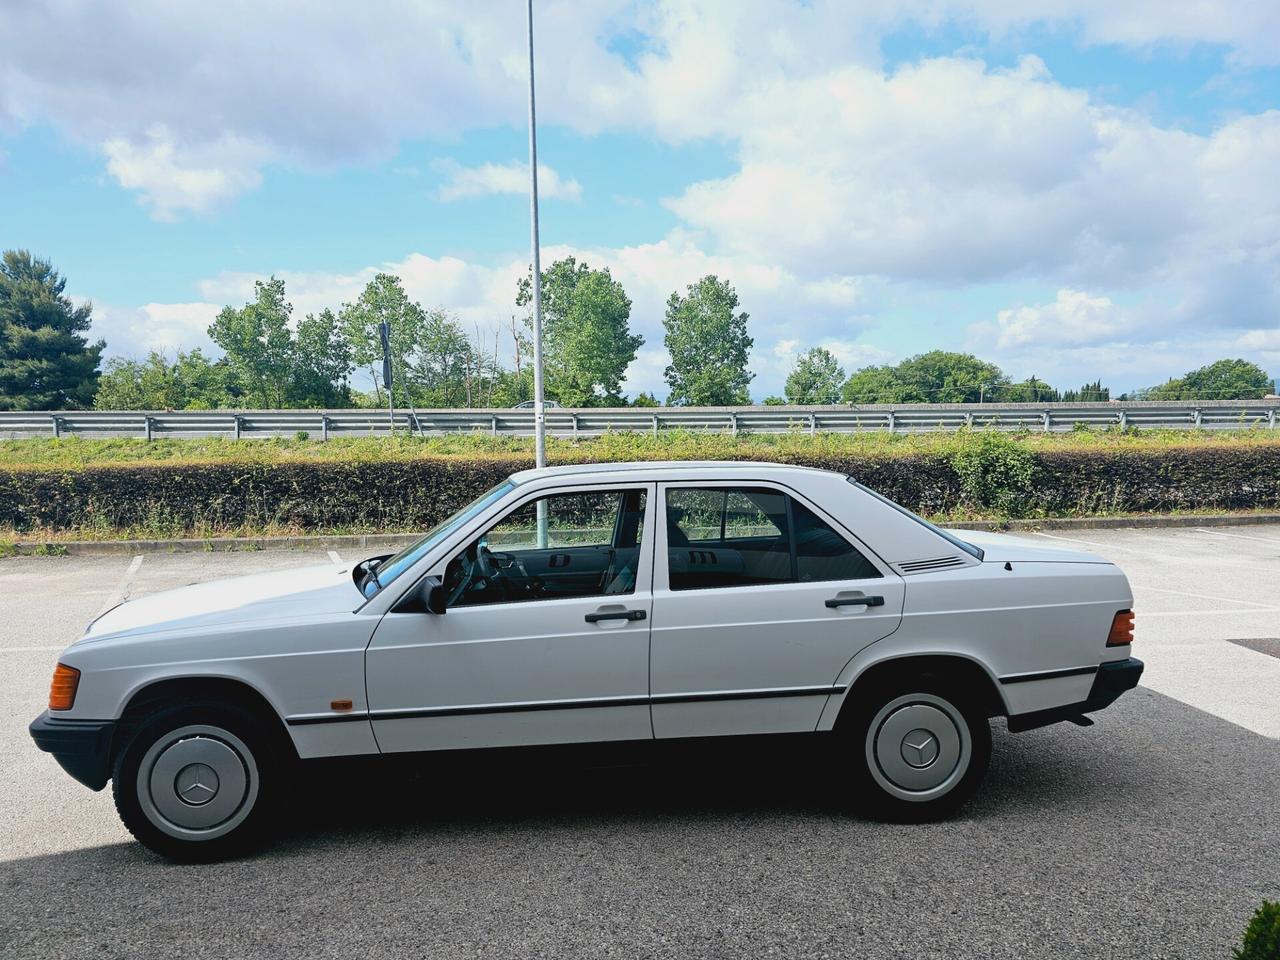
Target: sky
point(1073, 189)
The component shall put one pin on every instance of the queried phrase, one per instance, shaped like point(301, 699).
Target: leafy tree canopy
point(587, 339)
point(46, 362)
point(816, 378)
point(709, 346)
point(938, 376)
point(1220, 380)
point(191, 382)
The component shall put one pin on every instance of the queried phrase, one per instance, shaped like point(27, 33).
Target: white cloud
point(167, 327)
point(1075, 318)
point(330, 85)
point(173, 180)
point(513, 178)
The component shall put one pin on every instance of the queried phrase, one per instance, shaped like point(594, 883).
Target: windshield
point(951, 538)
point(391, 568)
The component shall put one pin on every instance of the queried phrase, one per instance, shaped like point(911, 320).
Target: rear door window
point(752, 536)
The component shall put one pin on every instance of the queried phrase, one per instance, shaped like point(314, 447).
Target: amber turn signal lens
point(62, 691)
point(1121, 629)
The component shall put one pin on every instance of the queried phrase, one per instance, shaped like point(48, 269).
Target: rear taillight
point(1121, 634)
point(62, 691)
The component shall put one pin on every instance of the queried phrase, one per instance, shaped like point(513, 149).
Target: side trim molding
point(468, 710)
point(1049, 674)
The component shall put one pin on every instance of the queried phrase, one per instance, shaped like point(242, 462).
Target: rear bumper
point(81, 747)
point(1111, 681)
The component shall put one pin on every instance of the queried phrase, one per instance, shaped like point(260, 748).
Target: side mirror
point(433, 595)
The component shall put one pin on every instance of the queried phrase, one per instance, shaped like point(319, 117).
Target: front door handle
point(615, 615)
point(855, 602)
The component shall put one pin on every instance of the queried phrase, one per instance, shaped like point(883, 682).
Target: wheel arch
point(162, 692)
point(967, 672)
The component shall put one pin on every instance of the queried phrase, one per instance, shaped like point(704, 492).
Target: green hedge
point(991, 476)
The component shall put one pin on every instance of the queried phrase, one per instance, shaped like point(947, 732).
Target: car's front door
point(760, 602)
point(545, 638)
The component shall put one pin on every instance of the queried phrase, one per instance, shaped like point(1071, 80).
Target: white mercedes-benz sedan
point(610, 602)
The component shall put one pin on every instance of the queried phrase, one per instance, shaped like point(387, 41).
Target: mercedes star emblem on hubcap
point(919, 748)
point(196, 784)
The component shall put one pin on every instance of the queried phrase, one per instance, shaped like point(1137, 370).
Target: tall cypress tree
point(46, 363)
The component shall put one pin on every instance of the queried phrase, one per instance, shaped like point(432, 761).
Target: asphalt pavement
point(1151, 834)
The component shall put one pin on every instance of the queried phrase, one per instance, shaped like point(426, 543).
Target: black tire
point(916, 749)
point(209, 790)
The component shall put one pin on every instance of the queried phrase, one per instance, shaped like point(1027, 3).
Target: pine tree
point(46, 363)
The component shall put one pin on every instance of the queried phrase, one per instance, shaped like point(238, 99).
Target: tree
point(46, 363)
point(1221, 380)
point(382, 299)
point(442, 369)
point(259, 344)
point(938, 376)
point(709, 346)
point(775, 401)
point(322, 363)
point(587, 338)
point(1089, 393)
point(191, 382)
point(816, 378)
point(1030, 390)
point(645, 400)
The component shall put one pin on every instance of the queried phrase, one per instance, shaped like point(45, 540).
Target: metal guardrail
point(590, 422)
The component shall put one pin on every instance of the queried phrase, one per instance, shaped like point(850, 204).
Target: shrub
point(989, 477)
point(1262, 935)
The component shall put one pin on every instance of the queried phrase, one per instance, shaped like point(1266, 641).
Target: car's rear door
point(760, 599)
point(545, 639)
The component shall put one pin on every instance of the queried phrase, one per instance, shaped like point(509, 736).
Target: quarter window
point(747, 536)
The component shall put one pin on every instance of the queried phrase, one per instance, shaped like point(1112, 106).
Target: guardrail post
point(1124, 419)
point(655, 424)
point(893, 421)
point(146, 428)
point(733, 424)
point(57, 427)
point(1197, 417)
point(813, 424)
point(493, 425)
point(1046, 421)
point(235, 427)
point(1271, 418)
point(575, 426)
point(324, 427)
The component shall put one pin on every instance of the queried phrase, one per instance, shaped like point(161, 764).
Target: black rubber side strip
point(1049, 675)
point(636, 701)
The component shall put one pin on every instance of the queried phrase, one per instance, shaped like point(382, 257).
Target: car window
point(744, 536)
point(558, 546)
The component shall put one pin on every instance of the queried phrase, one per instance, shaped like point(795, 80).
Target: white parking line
point(121, 592)
point(1198, 596)
point(1166, 557)
point(1239, 536)
point(333, 555)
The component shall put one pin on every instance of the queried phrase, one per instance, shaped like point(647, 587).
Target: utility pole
point(539, 412)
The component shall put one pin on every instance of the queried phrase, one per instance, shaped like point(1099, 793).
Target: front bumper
point(1111, 680)
point(81, 747)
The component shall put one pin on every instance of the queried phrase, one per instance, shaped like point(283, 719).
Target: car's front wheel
point(918, 749)
point(196, 782)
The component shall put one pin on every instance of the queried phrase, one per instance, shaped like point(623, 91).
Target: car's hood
point(283, 594)
point(1002, 547)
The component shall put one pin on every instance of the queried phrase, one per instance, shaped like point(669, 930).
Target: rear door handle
point(615, 615)
point(855, 602)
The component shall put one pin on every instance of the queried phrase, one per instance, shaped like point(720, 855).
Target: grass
point(77, 453)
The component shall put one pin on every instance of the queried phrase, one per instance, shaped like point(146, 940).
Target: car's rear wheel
point(196, 782)
point(918, 749)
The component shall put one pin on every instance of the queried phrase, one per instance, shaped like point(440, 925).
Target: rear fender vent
point(933, 563)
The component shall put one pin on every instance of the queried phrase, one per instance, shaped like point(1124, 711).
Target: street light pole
point(539, 414)
point(539, 411)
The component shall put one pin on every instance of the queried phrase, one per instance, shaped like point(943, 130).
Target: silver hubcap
point(918, 747)
point(198, 782)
